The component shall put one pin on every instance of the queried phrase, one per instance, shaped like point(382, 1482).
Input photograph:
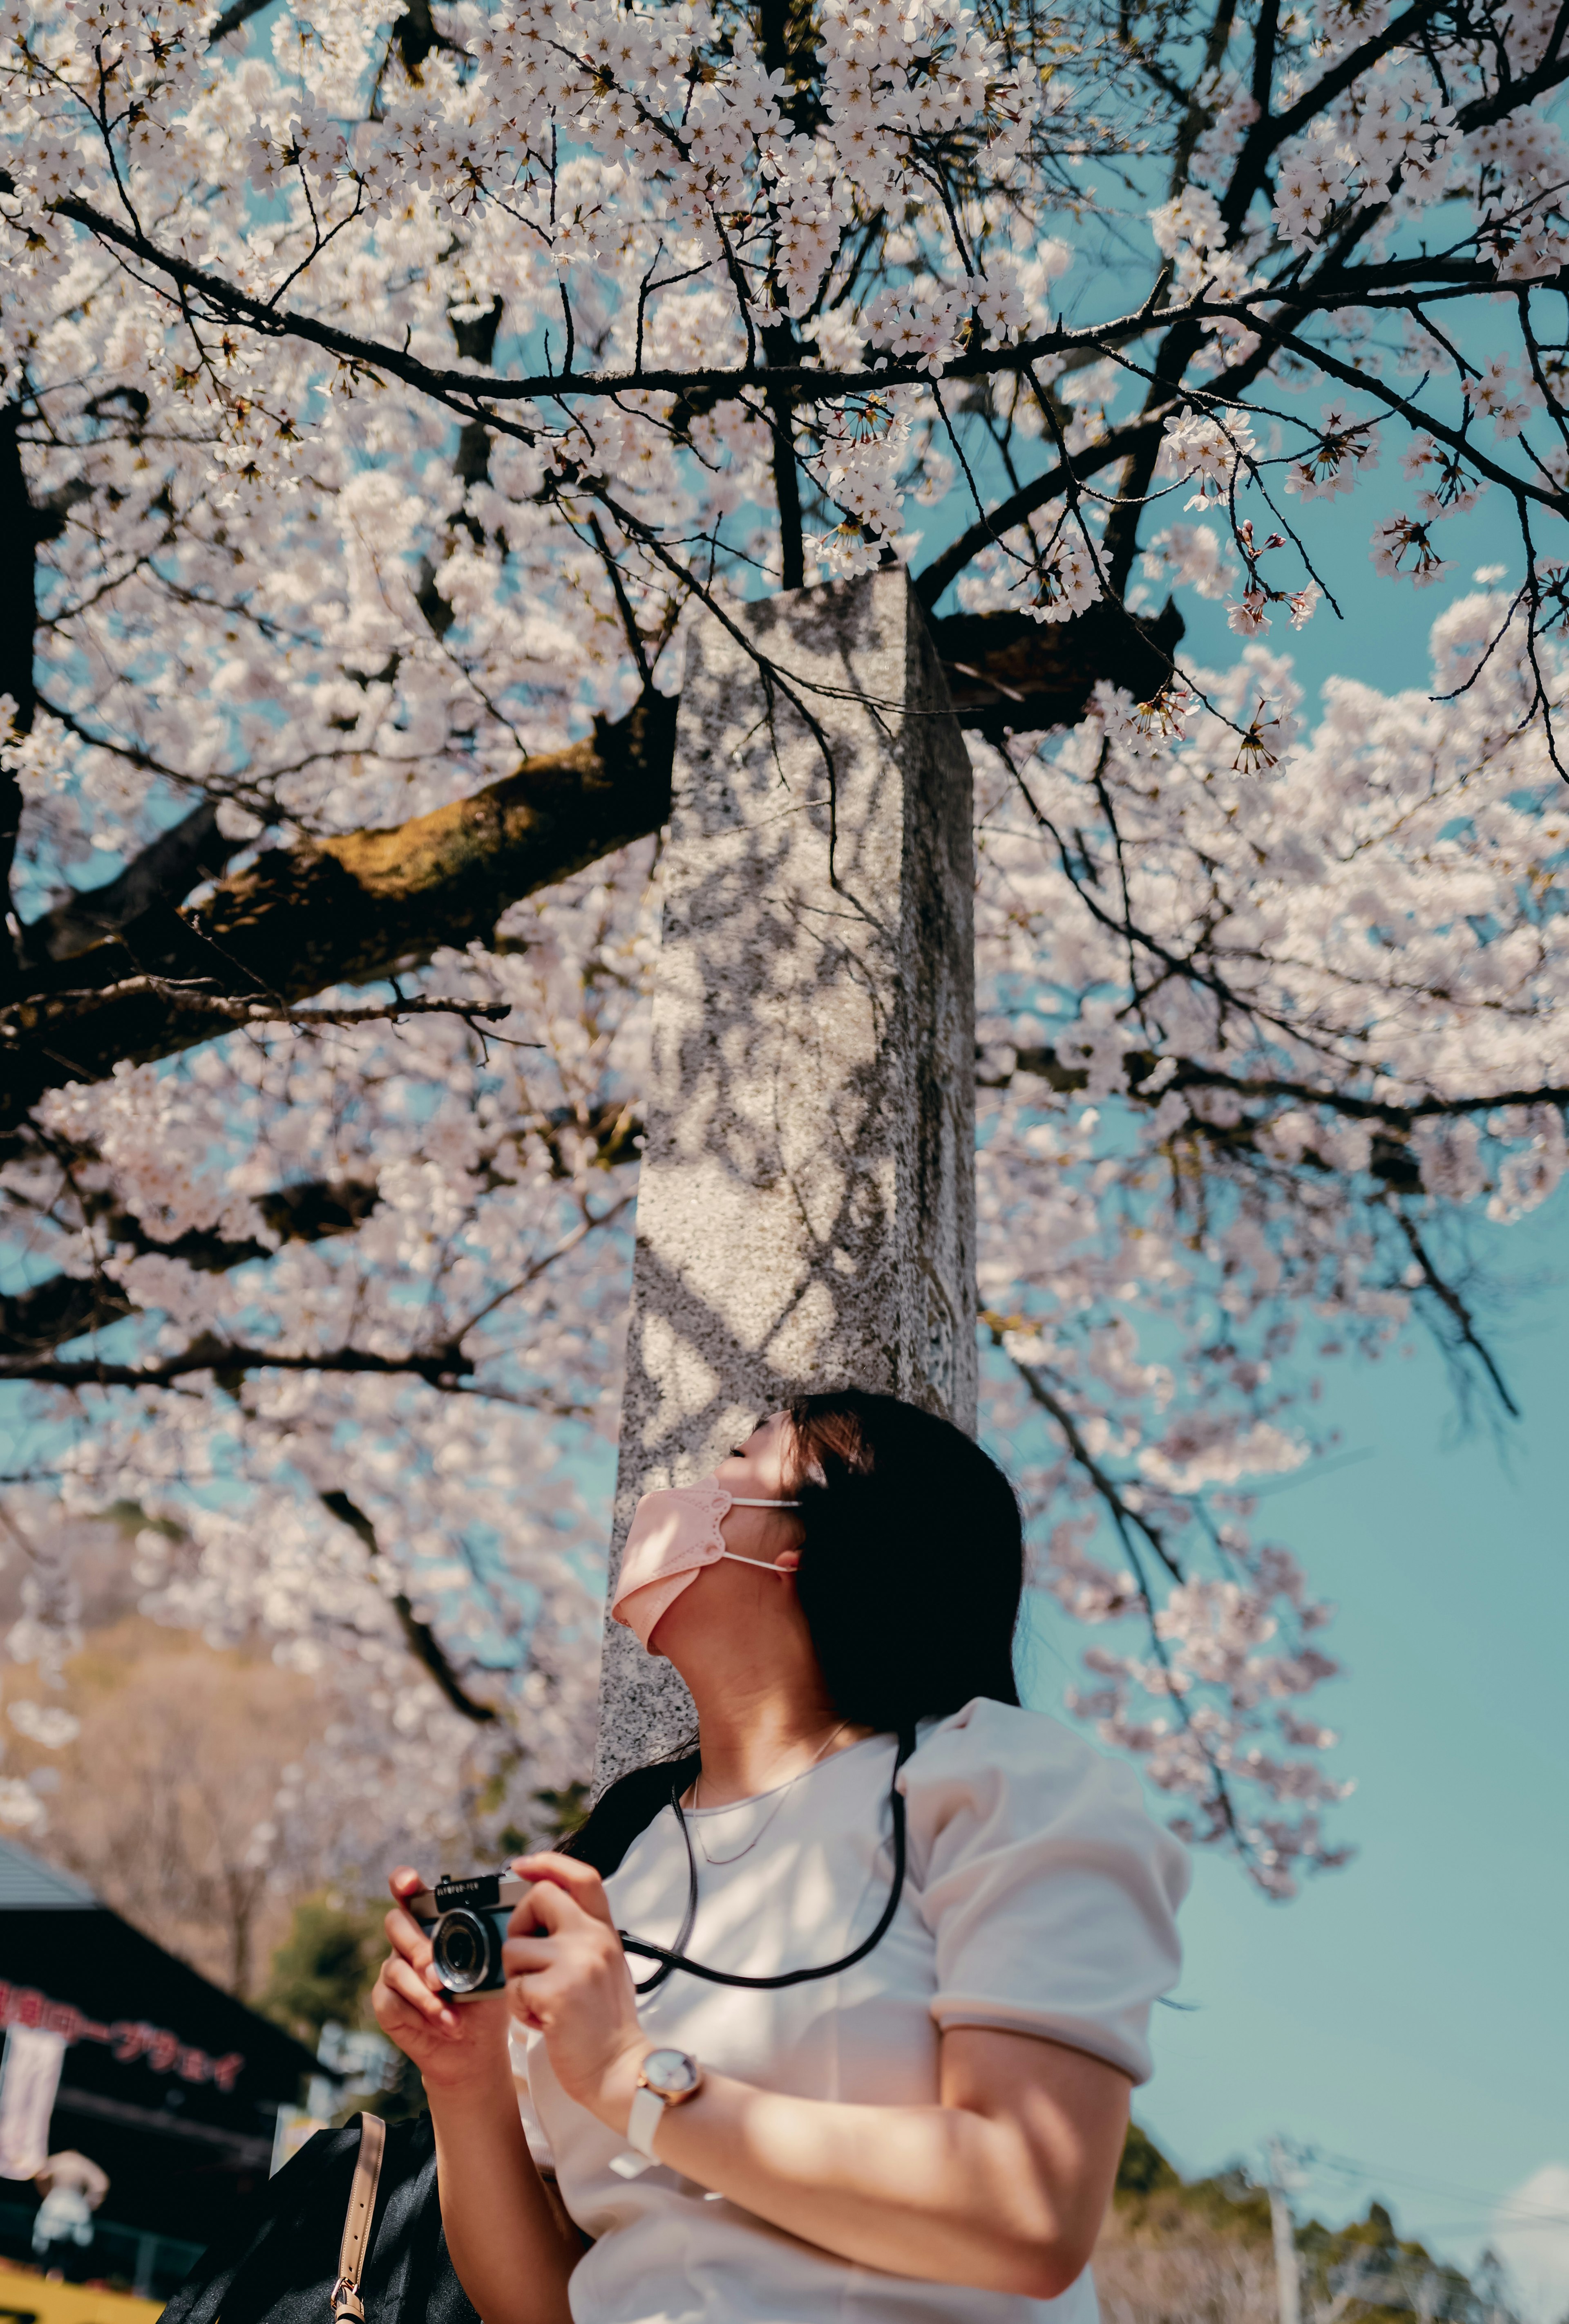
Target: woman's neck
point(755, 1737)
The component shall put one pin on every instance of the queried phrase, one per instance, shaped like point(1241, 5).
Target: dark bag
point(328, 2239)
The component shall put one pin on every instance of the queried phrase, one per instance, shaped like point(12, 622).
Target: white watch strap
point(647, 2114)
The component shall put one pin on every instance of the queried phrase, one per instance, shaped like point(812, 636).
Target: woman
point(946, 2107)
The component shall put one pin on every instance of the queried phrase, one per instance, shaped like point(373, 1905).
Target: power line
point(1499, 2206)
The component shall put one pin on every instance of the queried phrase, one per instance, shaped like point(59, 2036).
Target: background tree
point(172, 1767)
point(323, 1972)
point(1186, 2249)
point(382, 399)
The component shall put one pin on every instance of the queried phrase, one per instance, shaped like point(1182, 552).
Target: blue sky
point(1409, 2014)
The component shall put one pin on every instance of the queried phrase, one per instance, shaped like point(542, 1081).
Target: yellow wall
point(24, 2295)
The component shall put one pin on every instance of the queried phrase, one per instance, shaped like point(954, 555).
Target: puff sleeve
point(1050, 1892)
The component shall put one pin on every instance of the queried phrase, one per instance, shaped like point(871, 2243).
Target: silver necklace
point(785, 1791)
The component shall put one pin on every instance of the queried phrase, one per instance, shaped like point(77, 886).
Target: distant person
point(72, 2186)
point(895, 1940)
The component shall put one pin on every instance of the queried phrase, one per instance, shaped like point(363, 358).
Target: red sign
point(165, 2053)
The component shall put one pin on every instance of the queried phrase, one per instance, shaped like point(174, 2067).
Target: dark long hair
point(911, 1574)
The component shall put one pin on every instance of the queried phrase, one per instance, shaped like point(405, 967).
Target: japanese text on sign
point(129, 2038)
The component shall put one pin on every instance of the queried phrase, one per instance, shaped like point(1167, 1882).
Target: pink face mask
point(675, 1534)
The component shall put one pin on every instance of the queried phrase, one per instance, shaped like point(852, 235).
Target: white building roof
point(28, 1884)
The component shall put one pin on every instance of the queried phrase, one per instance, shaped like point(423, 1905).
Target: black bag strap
point(348, 2308)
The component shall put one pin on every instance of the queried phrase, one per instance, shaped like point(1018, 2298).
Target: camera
point(466, 1923)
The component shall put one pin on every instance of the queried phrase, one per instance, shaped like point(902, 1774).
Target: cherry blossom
point(382, 395)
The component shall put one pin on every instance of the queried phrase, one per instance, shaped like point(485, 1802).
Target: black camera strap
point(674, 1957)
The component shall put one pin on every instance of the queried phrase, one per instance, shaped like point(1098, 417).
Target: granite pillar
point(806, 1203)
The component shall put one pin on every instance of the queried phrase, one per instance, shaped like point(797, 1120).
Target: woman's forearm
point(933, 2191)
point(512, 2246)
point(1002, 2184)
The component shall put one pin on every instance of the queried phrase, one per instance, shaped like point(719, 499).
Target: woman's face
point(759, 1469)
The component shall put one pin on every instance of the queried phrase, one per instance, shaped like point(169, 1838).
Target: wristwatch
point(668, 2079)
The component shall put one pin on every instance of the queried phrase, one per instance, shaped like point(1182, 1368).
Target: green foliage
point(1155, 2202)
point(130, 1517)
point(1144, 2168)
point(1370, 2268)
point(325, 1968)
point(564, 1813)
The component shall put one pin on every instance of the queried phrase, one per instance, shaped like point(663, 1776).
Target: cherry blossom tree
point(382, 396)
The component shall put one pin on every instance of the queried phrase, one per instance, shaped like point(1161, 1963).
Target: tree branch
point(61, 1307)
point(238, 12)
point(421, 1639)
point(1007, 672)
point(225, 1360)
point(56, 1014)
point(475, 395)
point(1126, 1520)
point(1456, 1308)
point(1398, 1114)
point(18, 622)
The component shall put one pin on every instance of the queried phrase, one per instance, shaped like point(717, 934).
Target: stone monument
point(807, 1202)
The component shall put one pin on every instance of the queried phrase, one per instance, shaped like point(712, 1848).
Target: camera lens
point(463, 1951)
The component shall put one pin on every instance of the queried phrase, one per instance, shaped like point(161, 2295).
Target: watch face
point(671, 2072)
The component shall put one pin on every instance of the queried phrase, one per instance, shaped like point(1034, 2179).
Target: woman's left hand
point(568, 1978)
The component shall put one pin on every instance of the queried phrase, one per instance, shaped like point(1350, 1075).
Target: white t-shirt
point(1039, 1897)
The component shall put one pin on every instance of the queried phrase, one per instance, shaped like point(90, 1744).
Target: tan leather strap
point(346, 2302)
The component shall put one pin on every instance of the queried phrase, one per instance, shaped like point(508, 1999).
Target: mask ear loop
point(766, 1564)
point(675, 1956)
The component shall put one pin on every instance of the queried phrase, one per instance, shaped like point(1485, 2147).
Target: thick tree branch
point(1271, 131)
point(230, 1361)
point(474, 395)
point(165, 871)
point(60, 1309)
point(1008, 673)
point(349, 909)
point(358, 908)
point(237, 15)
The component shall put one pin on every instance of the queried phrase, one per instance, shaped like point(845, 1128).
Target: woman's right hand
point(452, 2045)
